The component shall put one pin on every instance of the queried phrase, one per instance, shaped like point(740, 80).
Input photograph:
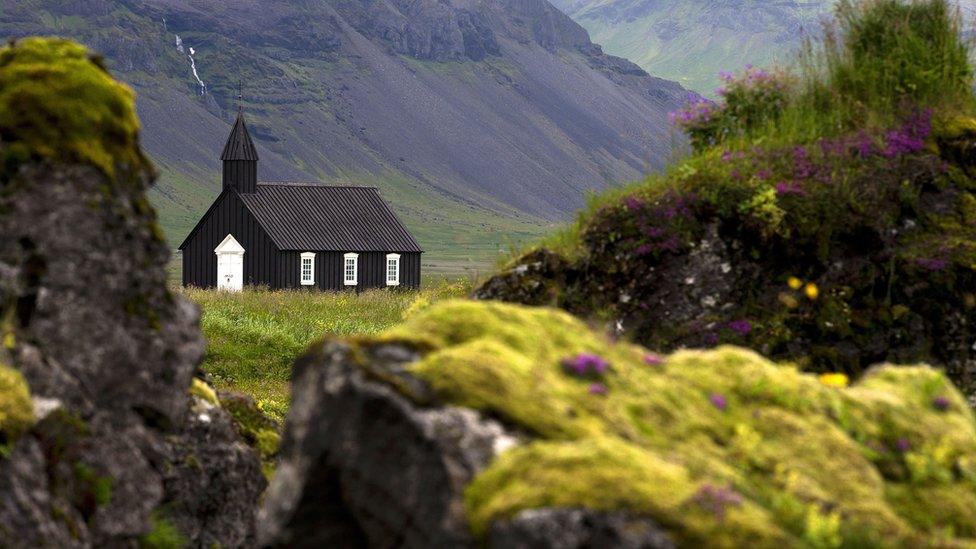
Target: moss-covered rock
point(58, 102)
point(87, 318)
point(260, 431)
point(718, 447)
point(16, 410)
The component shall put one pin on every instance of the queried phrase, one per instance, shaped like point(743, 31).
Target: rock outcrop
point(507, 426)
point(116, 450)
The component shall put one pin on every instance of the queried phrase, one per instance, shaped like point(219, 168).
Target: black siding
point(229, 216)
point(265, 265)
point(241, 175)
point(372, 270)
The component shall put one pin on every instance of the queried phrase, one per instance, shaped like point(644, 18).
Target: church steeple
point(240, 158)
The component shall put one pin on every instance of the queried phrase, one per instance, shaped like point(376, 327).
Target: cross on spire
point(240, 96)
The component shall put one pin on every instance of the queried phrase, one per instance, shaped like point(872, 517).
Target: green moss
point(58, 102)
point(717, 446)
point(199, 388)
point(163, 535)
point(260, 431)
point(96, 489)
point(16, 409)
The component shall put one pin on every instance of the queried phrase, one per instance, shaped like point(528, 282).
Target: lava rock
point(106, 349)
point(363, 466)
point(572, 528)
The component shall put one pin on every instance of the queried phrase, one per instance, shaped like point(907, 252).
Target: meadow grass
point(254, 336)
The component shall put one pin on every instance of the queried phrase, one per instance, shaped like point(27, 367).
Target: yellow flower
point(812, 291)
point(795, 283)
point(839, 381)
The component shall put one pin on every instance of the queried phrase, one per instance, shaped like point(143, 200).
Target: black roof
point(312, 217)
point(239, 145)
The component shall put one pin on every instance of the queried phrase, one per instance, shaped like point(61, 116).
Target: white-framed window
point(392, 269)
point(308, 269)
point(350, 269)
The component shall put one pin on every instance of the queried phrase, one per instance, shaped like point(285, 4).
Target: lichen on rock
point(719, 447)
point(58, 102)
point(88, 321)
point(16, 409)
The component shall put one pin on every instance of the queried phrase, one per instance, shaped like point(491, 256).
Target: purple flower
point(740, 327)
point(764, 174)
point(719, 401)
point(644, 249)
point(672, 244)
point(633, 203)
point(902, 445)
point(652, 359)
point(726, 76)
point(941, 403)
point(711, 339)
point(726, 156)
point(598, 389)
point(586, 364)
point(654, 232)
point(790, 188)
point(933, 264)
point(717, 499)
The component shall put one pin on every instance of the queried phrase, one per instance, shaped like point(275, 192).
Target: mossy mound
point(720, 447)
point(827, 218)
point(58, 102)
point(16, 409)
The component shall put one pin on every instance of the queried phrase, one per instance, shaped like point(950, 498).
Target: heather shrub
point(878, 58)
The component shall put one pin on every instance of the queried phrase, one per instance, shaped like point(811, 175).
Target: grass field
point(254, 336)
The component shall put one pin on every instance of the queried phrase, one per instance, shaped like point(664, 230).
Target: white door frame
point(230, 265)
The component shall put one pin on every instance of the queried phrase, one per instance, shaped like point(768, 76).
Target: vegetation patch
point(16, 409)
point(58, 102)
point(825, 216)
point(253, 337)
point(720, 447)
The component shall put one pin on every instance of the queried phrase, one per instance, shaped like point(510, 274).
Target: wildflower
point(941, 403)
point(741, 327)
point(794, 283)
point(598, 389)
point(633, 203)
point(644, 249)
point(933, 264)
point(719, 401)
point(586, 364)
point(812, 291)
point(717, 499)
point(652, 359)
point(788, 300)
point(839, 381)
point(903, 445)
point(790, 188)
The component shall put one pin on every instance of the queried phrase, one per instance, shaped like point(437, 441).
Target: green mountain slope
point(480, 124)
point(692, 41)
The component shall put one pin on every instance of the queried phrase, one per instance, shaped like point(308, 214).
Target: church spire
point(240, 156)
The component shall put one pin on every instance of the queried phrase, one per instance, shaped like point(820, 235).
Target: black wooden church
point(295, 235)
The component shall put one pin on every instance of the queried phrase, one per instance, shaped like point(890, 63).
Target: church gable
point(292, 235)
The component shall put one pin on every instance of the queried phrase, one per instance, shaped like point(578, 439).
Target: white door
point(230, 265)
